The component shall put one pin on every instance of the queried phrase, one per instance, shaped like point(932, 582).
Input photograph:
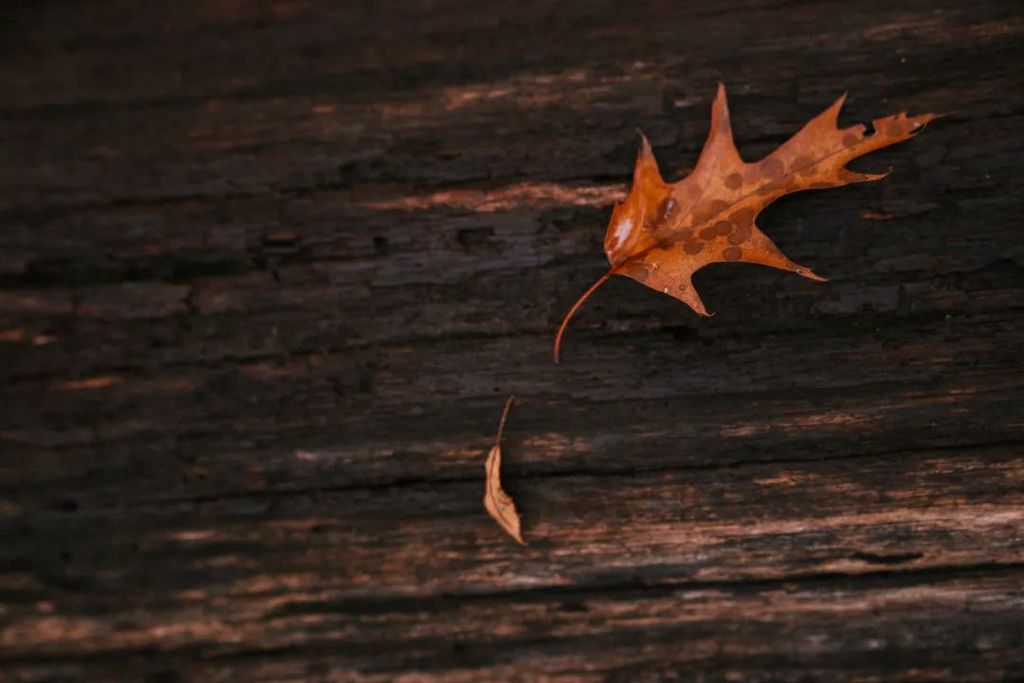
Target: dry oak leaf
point(663, 233)
point(498, 503)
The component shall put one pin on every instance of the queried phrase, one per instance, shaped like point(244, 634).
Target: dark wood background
point(268, 271)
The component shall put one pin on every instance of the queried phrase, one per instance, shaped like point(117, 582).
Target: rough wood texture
point(268, 271)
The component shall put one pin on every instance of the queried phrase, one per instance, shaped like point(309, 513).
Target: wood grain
point(268, 271)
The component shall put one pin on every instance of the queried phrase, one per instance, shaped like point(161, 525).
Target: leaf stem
point(575, 307)
point(504, 414)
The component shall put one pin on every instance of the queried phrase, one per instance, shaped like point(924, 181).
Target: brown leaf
point(663, 233)
point(498, 503)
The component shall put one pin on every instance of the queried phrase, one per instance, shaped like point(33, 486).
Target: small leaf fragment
point(498, 503)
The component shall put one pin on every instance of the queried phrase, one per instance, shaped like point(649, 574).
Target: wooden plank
point(835, 554)
point(267, 273)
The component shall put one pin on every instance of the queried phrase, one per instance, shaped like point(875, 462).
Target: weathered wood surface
point(268, 270)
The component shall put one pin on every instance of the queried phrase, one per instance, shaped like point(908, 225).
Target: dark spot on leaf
point(692, 247)
point(732, 254)
point(682, 287)
point(775, 186)
point(719, 229)
point(741, 234)
point(667, 210)
point(734, 181)
point(802, 164)
point(742, 216)
point(710, 210)
point(850, 139)
point(773, 168)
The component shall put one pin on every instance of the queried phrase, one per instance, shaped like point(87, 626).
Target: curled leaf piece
point(664, 232)
point(498, 503)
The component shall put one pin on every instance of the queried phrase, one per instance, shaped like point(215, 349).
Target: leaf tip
point(848, 176)
point(922, 120)
point(699, 308)
point(720, 107)
point(810, 274)
point(504, 416)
